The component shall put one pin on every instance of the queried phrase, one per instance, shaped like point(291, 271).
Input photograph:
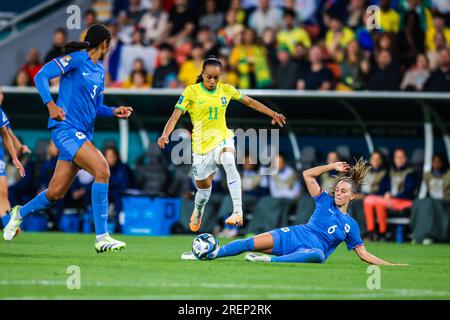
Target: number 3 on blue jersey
point(94, 91)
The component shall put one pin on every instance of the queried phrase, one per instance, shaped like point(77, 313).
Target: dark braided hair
point(210, 61)
point(95, 35)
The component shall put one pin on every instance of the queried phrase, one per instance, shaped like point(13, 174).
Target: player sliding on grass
point(329, 225)
point(212, 142)
point(72, 121)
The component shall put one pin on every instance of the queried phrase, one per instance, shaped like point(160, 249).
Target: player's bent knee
point(55, 194)
point(227, 159)
point(102, 173)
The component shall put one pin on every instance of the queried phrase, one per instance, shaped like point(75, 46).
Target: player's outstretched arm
point(277, 118)
point(311, 174)
point(366, 256)
point(170, 126)
point(10, 147)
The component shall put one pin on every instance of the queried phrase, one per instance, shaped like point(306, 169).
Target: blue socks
point(100, 207)
point(38, 203)
point(236, 247)
point(302, 256)
point(5, 219)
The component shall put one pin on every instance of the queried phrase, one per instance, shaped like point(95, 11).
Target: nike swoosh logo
point(232, 182)
point(200, 102)
point(331, 211)
point(85, 73)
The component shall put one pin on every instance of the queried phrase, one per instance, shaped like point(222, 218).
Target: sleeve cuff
point(180, 107)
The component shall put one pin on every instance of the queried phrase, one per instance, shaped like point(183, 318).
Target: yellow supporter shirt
point(390, 20)
point(189, 72)
point(431, 34)
point(207, 111)
point(290, 38)
point(347, 36)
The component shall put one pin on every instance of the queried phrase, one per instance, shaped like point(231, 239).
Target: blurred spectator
point(181, 22)
point(286, 72)
point(241, 15)
point(352, 68)
point(317, 77)
point(290, 35)
point(33, 65)
point(250, 62)
point(433, 55)
point(305, 9)
point(270, 45)
point(208, 40)
point(437, 180)
point(126, 29)
point(337, 38)
point(134, 79)
point(384, 76)
point(119, 180)
point(365, 35)
point(90, 18)
point(59, 38)
point(47, 167)
point(136, 11)
point(374, 186)
point(137, 38)
point(284, 183)
point(386, 41)
point(390, 19)
point(139, 80)
point(437, 27)
point(264, 17)
point(227, 34)
point(411, 40)
point(415, 78)
point(22, 79)
point(439, 81)
point(356, 11)
point(155, 23)
point(211, 17)
point(300, 57)
point(165, 75)
point(327, 179)
point(152, 171)
point(191, 68)
point(228, 76)
point(401, 188)
point(442, 6)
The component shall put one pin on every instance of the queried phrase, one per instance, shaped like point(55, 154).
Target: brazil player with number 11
point(212, 142)
point(72, 121)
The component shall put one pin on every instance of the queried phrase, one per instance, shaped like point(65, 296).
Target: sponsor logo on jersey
point(80, 135)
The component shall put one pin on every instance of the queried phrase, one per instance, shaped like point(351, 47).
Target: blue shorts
point(2, 163)
point(68, 140)
point(289, 239)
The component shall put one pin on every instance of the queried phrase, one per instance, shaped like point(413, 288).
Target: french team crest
point(347, 228)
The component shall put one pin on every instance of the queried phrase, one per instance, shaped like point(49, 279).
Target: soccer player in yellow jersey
point(212, 142)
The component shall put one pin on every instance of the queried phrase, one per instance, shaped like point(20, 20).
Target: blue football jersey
point(3, 119)
point(330, 227)
point(80, 90)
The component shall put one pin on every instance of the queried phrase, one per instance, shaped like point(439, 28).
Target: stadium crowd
point(276, 44)
point(300, 45)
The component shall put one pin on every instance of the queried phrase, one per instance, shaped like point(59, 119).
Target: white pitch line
point(346, 291)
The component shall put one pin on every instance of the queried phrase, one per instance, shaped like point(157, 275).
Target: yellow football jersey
point(207, 111)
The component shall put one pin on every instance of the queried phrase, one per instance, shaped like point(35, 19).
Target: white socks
point(201, 198)
point(233, 180)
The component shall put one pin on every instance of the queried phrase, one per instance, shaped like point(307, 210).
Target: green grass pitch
point(34, 266)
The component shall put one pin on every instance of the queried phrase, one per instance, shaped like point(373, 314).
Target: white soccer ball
point(204, 244)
